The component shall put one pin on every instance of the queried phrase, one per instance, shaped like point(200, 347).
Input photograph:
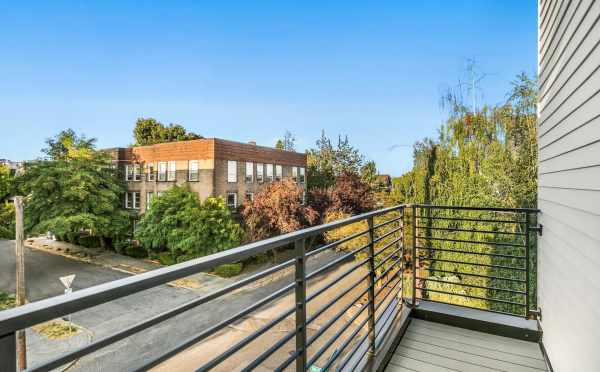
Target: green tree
point(368, 173)
point(149, 131)
point(483, 157)
point(79, 191)
point(67, 144)
point(7, 209)
point(326, 162)
point(288, 143)
point(178, 223)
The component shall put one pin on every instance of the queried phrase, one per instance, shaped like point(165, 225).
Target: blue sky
point(249, 70)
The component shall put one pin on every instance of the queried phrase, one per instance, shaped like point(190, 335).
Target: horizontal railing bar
point(386, 283)
point(222, 324)
point(385, 247)
point(393, 265)
point(111, 339)
point(491, 209)
point(323, 308)
point(341, 331)
point(471, 307)
point(377, 333)
point(387, 222)
point(336, 243)
point(377, 306)
point(476, 253)
point(476, 264)
point(475, 297)
point(475, 286)
point(248, 339)
point(470, 219)
point(354, 350)
point(337, 279)
point(40, 311)
point(335, 262)
point(345, 345)
point(335, 318)
point(289, 360)
point(380, 238)
point(498, 244)
point(391, 255)
point(477, 275)
point(471, 230)
point(269, 352)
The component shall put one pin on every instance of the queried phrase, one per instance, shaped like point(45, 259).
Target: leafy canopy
point(178, 223)
point(149, 131)
point(67, 145)
point(276, 209)
point(78, 190)
point(326, 162)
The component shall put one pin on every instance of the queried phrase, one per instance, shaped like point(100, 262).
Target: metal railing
point(378, 248)
point(348, 302)
point(481, 258)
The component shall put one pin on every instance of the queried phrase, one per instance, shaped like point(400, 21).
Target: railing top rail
point(40, 311)
point(490, 209)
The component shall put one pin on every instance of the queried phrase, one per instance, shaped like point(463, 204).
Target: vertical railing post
point(414, 254)
point(300, 252)
point(371, 304)
point(8, 353)
point(527, 264)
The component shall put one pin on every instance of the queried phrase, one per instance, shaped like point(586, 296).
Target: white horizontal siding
point(583, 178)
point(583, 157)
point(569, 183)
point(561, 62)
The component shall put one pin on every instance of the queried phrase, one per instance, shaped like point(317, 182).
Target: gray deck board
point(428, 346)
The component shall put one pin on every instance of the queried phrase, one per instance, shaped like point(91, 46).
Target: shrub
point(166, 258)
point(89, 241)
point(229, 270)
point(135, 251)
point(178, 223)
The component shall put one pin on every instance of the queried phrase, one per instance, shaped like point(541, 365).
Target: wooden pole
point(20, 279)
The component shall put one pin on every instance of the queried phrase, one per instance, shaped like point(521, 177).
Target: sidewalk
point(203, 282)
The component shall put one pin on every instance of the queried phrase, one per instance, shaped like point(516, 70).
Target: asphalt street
point(42, 271)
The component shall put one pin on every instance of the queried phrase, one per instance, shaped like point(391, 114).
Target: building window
point(302, 175)
point(162, 171)
point(232, 200)
point(232, 171)
point(193, 170)
point(270, 172)
point(295, 174)
point(249, 197)
point(128, 172)
point(132, 200)
point(137, 172)
point(149, 197)
point(151, 172)
point(249, 172)
point(159, 194)
point(260, 169)
point(172, 174)
point(278, 172)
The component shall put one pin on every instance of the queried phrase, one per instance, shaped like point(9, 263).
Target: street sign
point(67, 280)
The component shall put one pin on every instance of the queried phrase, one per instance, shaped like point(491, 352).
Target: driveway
point(100, 321)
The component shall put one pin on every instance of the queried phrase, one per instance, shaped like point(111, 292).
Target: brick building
point(211, 167)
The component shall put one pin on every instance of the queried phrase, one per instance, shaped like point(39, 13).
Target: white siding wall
point(569, 182)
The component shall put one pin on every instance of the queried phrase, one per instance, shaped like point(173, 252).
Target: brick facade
point(212, 155)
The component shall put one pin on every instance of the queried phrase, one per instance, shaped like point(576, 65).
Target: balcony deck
point(429, 346)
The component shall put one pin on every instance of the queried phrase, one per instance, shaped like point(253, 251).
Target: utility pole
point(20, 284)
